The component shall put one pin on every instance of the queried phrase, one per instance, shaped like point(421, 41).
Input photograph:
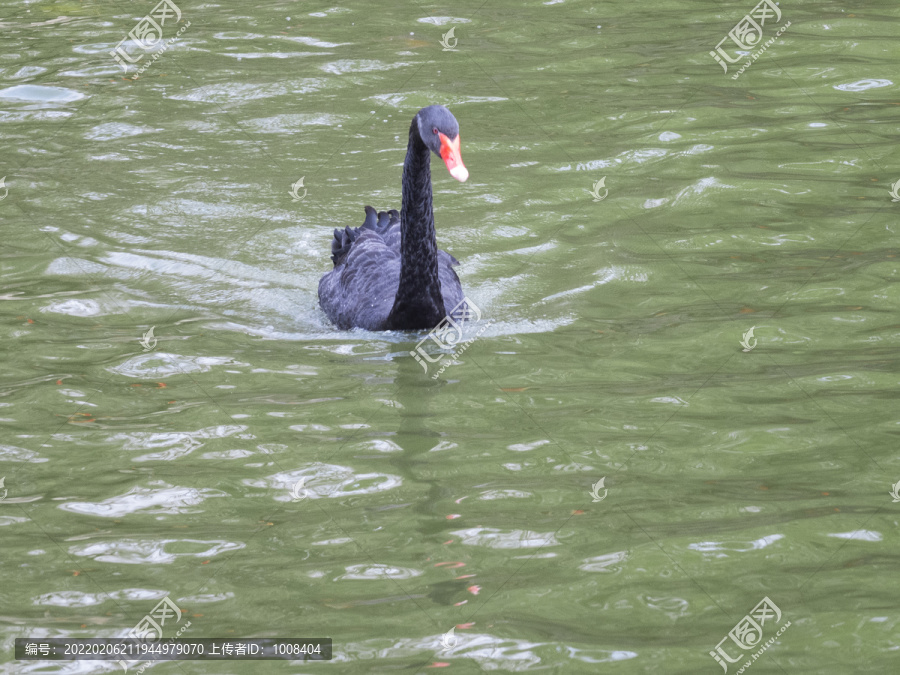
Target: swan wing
point(361, 288)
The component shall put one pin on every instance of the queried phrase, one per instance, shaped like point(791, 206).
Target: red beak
point(452, 158)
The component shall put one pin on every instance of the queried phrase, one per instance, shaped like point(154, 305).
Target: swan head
point(439, 131)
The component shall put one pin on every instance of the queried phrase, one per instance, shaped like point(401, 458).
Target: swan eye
point(434, 130)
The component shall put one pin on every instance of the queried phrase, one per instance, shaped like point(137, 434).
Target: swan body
point(389, 273)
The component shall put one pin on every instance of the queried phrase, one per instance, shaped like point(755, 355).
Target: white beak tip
point(460, 173)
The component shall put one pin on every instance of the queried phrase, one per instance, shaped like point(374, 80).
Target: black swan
point(388, 273)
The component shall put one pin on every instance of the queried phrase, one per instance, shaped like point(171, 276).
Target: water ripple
point(11, 453)
point(40, 94)
point(157, 365)
point(177, 444)
point(495, 538)
point(376, 571)
point(82, 599)
point(151, 551)
point(165, 499)
point(326, 481)
point(862, 85)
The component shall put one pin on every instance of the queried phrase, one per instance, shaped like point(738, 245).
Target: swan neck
point(419, 298)
point(416, 211)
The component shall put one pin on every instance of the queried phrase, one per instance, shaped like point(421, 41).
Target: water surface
point(610, 344)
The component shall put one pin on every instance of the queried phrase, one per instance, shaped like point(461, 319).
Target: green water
point(610, 344)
